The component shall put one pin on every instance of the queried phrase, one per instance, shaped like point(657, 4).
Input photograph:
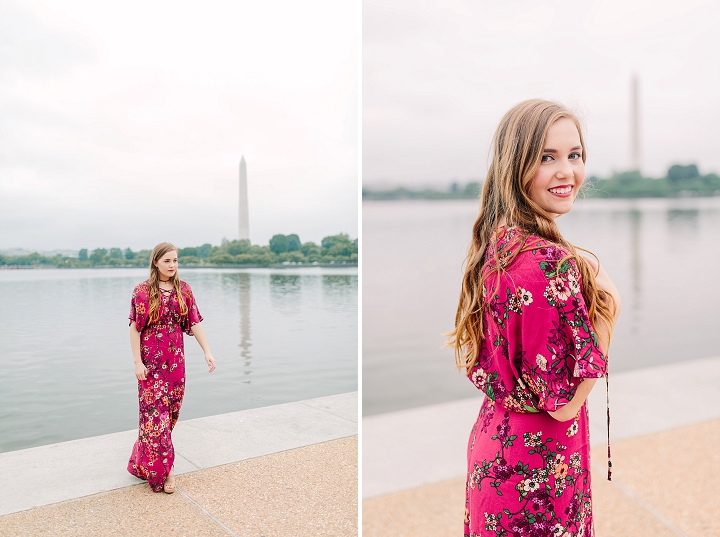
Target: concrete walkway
point(282, 470)
point(665, 432)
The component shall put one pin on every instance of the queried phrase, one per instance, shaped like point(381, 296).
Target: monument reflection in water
point(245, 342)
point(279, 335)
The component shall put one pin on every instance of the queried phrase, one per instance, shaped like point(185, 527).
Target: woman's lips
point(562, 191)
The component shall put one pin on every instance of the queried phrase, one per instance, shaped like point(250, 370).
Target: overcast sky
point(123, 123)
point(439, 74)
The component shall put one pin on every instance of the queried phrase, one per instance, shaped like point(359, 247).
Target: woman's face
point(167, 264)
point(561, 170)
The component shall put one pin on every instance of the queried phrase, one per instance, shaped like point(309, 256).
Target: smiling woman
point(162, 308)
point(532, 331)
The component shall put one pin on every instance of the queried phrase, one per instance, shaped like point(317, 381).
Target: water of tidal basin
point(278, 335)
point(663, 255)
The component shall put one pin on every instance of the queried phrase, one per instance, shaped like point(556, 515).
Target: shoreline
point(349, 264)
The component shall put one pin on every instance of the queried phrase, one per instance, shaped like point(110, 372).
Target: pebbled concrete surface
point(59, 472)
point(664, 485)
point(311, 491)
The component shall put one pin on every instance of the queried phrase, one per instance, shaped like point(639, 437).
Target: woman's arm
point(604, 282)
point(199, 334)
point(569, 411)
point(140, 369)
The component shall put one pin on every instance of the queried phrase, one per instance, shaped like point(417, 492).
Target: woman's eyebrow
point(555, 150)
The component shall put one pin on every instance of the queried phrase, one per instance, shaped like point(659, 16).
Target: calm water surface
point(663, 255)
point(67, 369)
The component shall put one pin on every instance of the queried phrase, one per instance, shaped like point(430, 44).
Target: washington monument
point(634, 125)
point(243, 217)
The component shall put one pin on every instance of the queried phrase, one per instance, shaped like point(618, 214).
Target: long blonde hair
point(516, 155)
point(154, 282)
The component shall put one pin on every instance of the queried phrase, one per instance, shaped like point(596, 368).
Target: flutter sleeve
point(559, 344)
point(193, 314)
point(139, 306)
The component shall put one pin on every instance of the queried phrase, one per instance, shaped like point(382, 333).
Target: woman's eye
point(575, 155)
point(546, 158)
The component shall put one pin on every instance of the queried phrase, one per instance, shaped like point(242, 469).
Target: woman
point(532, 330)
point(162, 308)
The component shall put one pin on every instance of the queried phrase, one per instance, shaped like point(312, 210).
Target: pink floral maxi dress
point(161, 394)
point(529, 474)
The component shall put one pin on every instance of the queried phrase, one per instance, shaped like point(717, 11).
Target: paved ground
point(306, 491)
point(664, 485)
point(665, 435)
point(286, 470)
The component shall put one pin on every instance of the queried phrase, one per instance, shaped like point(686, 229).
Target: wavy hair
point(154, 282)
point(517, 151)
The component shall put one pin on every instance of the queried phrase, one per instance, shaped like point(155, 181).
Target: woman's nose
point(565, 170)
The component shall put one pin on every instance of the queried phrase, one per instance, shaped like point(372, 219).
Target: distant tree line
point(282, 250)
point(679, 181)
point(471, 190)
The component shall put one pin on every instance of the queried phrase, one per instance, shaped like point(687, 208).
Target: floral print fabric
point(529, 474)
point(160, 395)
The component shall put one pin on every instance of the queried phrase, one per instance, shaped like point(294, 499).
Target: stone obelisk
point(635, 125)
point(243, 216)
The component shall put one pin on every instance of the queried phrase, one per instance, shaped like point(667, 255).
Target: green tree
point(338, 245)
point(678, 173)
point(204, 250)
point(187, 251)
point(189, 259)
point(129, 254)
point(294, 257)
point(143, 258)
point(265, 258)
point(279, 244)
point(98, 255)
point(311, 251)
point(83, 255)
point(627, 178)
point(238, 247)
point(712, 182)
point(222, 258)
point(338, 248)
point(293, 243)
point(116, 253)
point(244, 259)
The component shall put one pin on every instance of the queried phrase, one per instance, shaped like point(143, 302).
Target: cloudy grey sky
point(123, 123)
point(439, 74)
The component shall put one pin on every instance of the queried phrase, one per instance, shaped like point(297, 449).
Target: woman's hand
point(210, 362)
point(141, 371)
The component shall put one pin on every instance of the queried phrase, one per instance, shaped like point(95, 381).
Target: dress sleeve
point(193, 314)
point(559, 345)
point(139, 307)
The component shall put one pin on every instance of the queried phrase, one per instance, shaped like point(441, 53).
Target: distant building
point(243, 212)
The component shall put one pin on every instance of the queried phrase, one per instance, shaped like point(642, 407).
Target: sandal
point(169, 486)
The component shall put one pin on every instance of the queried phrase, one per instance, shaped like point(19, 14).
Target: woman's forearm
point(199, 334)
point(135, 343)
point(569, 411)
